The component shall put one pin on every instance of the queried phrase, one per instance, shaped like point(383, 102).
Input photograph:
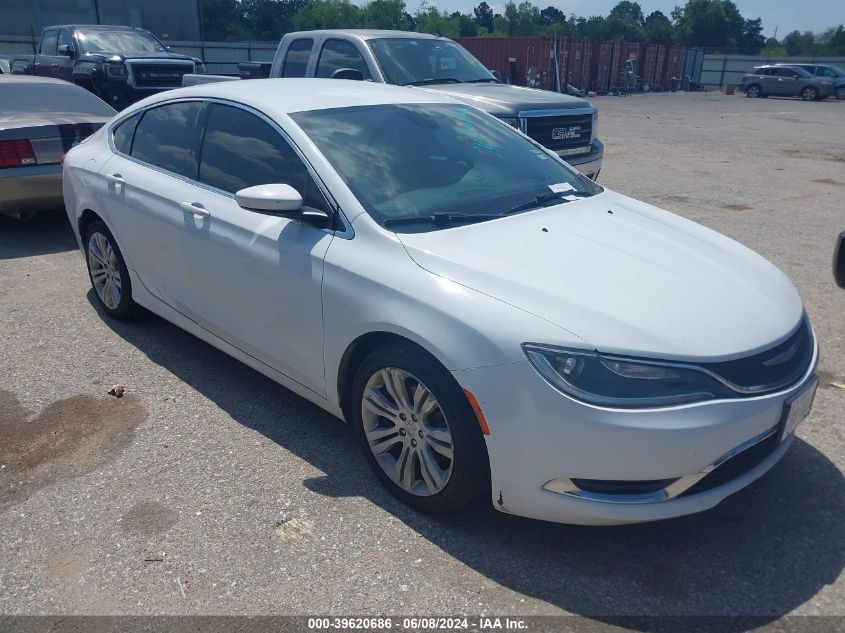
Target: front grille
point(737, 465)
point(561, 132)
point(776, 368)
point(160, 75)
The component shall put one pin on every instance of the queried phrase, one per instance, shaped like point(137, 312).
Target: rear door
point(150, 175)
point(46, 63)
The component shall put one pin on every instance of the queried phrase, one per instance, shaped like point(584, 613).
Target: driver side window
point(242, 150)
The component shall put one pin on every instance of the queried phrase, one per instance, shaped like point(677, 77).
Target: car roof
point(96, 27)
point(32, 79)
point(283, 96)
point(371, 34)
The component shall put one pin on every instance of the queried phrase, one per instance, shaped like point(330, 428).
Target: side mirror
point(277, 199)
point(839, 260)
point(497, 75)
point(67, 50)
point(348, 73)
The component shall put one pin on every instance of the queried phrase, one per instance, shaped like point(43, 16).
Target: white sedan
point(490, 321)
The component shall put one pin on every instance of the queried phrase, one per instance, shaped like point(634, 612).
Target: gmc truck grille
point(567, 135)
point(160, 75)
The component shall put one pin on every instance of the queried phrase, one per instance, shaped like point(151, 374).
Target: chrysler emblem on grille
point(780, 359)
point(563, 133)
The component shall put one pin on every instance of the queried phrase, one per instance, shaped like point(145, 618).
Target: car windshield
point(33, 98)
point(416, 161)
point(130, 41)
point(407, 61)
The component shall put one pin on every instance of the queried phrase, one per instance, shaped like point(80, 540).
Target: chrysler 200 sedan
point(490, 321)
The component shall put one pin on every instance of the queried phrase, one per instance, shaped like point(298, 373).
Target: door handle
point(196, 208)
point(116, 179)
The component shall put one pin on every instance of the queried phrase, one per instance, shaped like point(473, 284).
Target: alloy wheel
point(407, 431)
point(809, 94)
point(753, 92)
point(105, 270)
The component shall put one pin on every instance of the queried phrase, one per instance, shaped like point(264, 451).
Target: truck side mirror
point(497, 75)
point(839, 260)
point(67, 50)
point(348, 73)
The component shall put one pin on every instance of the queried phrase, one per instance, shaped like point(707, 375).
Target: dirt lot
point(208, 489)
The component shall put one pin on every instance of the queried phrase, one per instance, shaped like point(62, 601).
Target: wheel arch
point(357, 351)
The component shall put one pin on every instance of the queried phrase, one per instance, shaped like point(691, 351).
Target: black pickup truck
point(119, 64)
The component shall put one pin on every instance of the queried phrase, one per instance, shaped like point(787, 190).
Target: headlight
point(618, 382)
point(595, 134)
point(116, 70)
point(512, 122)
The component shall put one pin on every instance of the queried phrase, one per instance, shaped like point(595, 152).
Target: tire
point(753, 91)
point(113, 287)
point(810, 93)
point(414, 446)
point(840, 92)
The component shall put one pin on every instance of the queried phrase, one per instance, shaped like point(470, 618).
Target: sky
point(814, 15)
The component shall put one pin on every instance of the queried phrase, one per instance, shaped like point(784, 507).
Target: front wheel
point(753, 91)
point(108, 273)
point(840, 92)
point(810, 93)
point(419, 432)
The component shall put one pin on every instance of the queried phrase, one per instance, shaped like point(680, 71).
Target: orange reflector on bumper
point(479, 414)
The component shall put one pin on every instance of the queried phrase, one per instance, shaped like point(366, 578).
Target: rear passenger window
point(124, 133)
point(337, 54)
point(48, 42)
point(296, 59)
point(169, 137)
point(241, 150)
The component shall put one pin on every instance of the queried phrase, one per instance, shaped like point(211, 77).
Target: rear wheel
point(108, 274)
point(418, 430)
point(810, 93)
point(753, 91)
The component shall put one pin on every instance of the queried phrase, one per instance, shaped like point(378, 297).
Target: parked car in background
point(40, 120)
point(566, 125)
point(119, 64)
point(489, 320)
point(785, 81)
point(826, 71)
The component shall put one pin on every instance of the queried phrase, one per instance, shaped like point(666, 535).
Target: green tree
point(658, 29)
point(752, 37)
point(715, 24)
point(552, 15)
point(484, 16)
point(523, 19)
point(327, 14)
point(798, 43)
point(383, 14)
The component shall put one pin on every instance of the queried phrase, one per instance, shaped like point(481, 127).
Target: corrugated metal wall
point(718, 70)
point(585, 64)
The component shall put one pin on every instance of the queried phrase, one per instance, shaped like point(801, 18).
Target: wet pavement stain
point(69, 438)
point(149, 518)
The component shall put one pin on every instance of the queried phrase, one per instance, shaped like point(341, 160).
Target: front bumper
point(589, 164)
point(537, 436)
point(32, 188)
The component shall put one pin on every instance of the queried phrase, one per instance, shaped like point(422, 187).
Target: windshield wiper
point(492, 80)
point(442, 219)
point(437, 80)
point(541, 200)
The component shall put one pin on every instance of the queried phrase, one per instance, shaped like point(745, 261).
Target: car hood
point(506, 100)
point(130, 56)
point(626, 277)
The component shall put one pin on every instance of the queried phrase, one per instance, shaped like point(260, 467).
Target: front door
point(251, 278)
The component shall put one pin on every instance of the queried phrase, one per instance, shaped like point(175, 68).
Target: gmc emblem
point(563, 133)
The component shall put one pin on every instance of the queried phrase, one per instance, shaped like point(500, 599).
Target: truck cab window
point(48, 42)
point(65, 37)
point(296, 59)
point(337, 54)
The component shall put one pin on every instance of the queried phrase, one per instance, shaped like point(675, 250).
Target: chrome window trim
point(675, 489)
point(344, 231)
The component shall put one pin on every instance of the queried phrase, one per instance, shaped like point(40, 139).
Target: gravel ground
point(208, 489)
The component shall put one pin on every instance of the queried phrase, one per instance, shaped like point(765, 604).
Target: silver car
point(40, 120)
point(785, 81)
